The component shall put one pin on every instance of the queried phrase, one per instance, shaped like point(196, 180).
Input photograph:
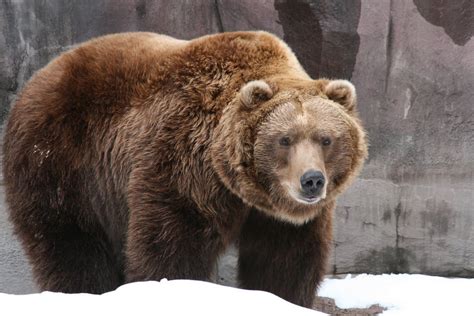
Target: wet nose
point(312, 182)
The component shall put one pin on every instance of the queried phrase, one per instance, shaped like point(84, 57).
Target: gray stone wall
point(412, 63)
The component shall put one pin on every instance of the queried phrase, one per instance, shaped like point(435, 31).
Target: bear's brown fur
point(137, 156)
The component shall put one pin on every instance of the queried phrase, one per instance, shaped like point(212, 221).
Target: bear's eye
point(285, 141)
point(326, 141)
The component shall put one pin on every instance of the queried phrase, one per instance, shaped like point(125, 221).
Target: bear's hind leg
point(67, 259)
point(284, 259)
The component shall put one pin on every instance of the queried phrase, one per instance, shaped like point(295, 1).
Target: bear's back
point(96, 79)
point(104, 74)
point(112, 74)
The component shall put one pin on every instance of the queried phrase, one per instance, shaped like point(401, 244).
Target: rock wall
point(412, 63)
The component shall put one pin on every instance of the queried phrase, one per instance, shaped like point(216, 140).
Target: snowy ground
point(400, 294)
point(179, 297)
point(403, 294)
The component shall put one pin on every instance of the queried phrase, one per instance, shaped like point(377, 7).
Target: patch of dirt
point(328, 306)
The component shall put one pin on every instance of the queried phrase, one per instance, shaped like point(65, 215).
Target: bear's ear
point(254, 93)
point(342, 92)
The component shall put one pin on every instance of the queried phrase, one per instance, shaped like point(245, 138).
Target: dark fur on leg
point(173, 244)
point(284, 259)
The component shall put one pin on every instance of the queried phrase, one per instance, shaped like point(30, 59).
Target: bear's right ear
point(254, 93)
point(342, 92)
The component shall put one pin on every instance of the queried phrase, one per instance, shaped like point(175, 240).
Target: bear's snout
point(312, 182)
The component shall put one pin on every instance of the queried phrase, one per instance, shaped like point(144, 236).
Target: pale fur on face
point(312, 111)
point(302, 157)
point(306, 122)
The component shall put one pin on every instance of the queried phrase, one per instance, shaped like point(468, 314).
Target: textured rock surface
point(412, 63)
point(415, 200)
point(15, 276)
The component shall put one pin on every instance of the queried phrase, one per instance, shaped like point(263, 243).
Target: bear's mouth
point(309, 200)
point(302, 198)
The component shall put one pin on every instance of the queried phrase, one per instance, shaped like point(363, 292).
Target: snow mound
point(177, 297)
point(402, 294)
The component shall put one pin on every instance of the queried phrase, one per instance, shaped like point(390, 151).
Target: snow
point(177, 297)
point(403, 294)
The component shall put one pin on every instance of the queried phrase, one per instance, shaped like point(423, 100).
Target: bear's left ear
point(255, 92)
point(342, 92)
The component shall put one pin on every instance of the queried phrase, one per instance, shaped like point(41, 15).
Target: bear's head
point(289, 147)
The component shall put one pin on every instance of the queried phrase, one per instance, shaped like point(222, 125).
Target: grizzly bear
point(138, 156)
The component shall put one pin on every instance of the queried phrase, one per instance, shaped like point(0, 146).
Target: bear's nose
point(312, 182)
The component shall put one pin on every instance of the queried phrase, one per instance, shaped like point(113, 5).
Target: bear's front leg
point(282, 258)
point(169, 239)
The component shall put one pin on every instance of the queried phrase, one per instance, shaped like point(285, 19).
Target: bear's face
point(298, 147)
